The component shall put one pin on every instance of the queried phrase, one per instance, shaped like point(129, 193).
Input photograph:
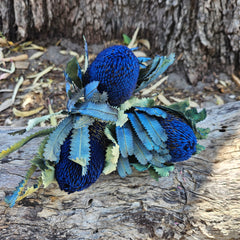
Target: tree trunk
point(199, 200)
point(205, 33)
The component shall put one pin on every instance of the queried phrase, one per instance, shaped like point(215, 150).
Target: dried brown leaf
point(6, 104)
point(153, 87)
point(18, 113)
point(3, 42)
point(219, 100)
point(140, 54)
point(22, 65)
point(36, 55)
point(163, 99)
point(4, 76)
point(144, 42)
point(40, 74)
point(134, 38)
point(34, 47)
point(236, 79)
point(21, 57)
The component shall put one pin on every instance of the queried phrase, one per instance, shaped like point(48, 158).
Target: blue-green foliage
point(141, 152)
point(56, 139)
point(123, 167)
point(85, 55)
point(158, 66)
point(101, 111)
point(161, 135)
point(90, 90)
point(153, 111)
point(125, 140)
point(140, 131)
point(148, 138)
point(80, 147)
point(154, 129)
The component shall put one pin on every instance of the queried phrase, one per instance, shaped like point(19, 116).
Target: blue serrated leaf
point(73, 100)
point(165, 62)
point(141, 132)
point(56, 139)
point(101, 111)
point(90, 89)
point(158, 160)
point(161, 157)
point(125, 139)
point(123, 167)
point(140, 152)
point(134, 48)
point(153, 111)
point(80, 147)
point(82, 121)
point(153, 127)
point(158, 66)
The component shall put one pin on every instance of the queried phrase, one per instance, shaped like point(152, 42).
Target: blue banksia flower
point(69, 174)
point(117, 70)
point(181, 141)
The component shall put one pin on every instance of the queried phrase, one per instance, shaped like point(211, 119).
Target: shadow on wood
point(199, 200)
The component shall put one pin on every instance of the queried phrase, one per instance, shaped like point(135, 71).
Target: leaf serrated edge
point(50, 149)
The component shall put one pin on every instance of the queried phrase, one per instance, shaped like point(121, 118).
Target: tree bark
point(199, 200)
point(205, 33)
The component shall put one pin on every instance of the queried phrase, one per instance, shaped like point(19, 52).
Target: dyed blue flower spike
point(117, 70)
point(181, 141)
point(69, 174)
point(106, 129)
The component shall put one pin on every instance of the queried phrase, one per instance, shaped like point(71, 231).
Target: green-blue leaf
point(80, 147)
point(90, 89)
point(157, 160)
point(153, 111)
point(56, 139)
point(140, 152)
point(100, 111)
point(86, 54)
point(153, 127)
point(141, 132)
point(125, 139)
point(124, 167)
point(82, 121)
point(158, 66)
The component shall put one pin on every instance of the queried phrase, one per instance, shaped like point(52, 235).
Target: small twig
point(15, 58)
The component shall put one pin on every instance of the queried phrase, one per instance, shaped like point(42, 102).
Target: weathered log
point(199, 200)
point(205, 33)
